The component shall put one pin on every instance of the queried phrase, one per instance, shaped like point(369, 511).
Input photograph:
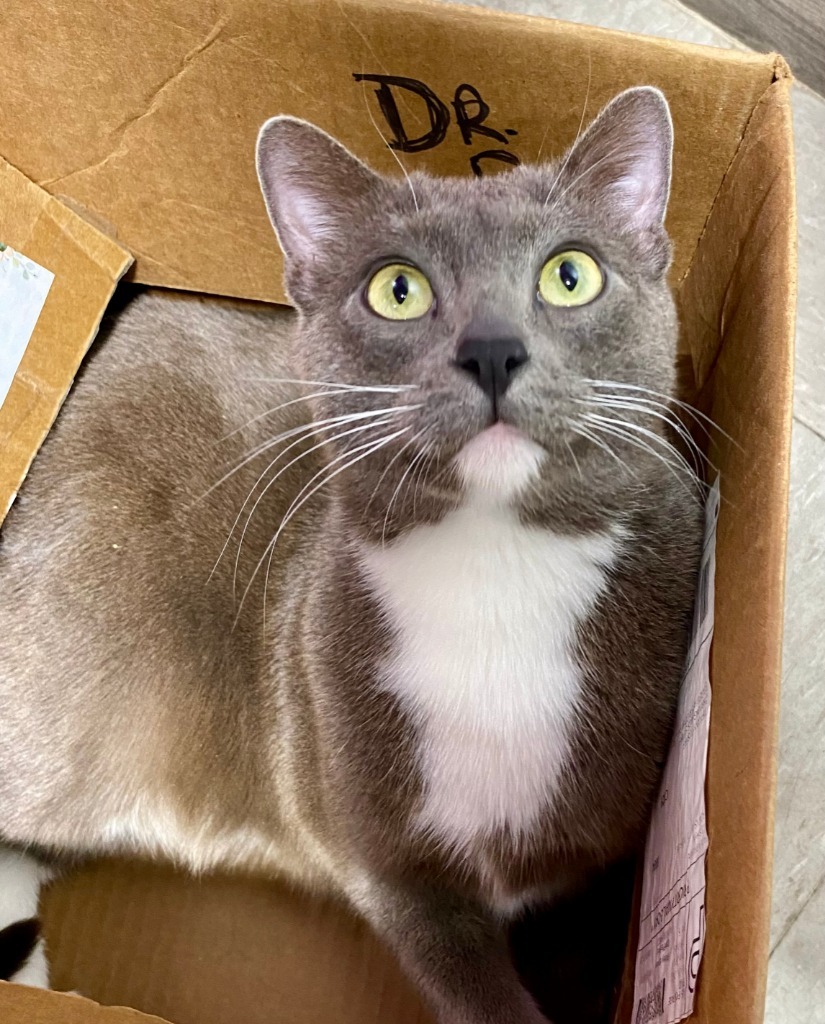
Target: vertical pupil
point(569, 275)
point(400, 288)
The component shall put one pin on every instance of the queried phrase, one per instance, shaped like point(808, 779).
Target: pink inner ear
point(308, 218)
point(640, 195)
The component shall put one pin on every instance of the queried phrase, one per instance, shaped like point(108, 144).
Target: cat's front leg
point(453, 950)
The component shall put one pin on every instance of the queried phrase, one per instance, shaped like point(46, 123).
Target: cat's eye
point(399, 292)
point(570, 278)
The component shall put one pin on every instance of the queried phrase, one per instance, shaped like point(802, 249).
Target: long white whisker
point(584, 173)
point(417, 462)
point(400, 483)
point(579, 428)
point(389, 147)
point(348, 417)
point(629, 438)
point(387, 468)
point(306, 431)
point(305, 493)
point(324, 441)
point(643, 405)
point(336, 384)
point(691, 410)
point(575, 460)
point(285, 405)
point(650, 435)
point(578, 131)
point(373, 446)
point(422, 470)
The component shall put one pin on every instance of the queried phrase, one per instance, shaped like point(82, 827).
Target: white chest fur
point(486, 612)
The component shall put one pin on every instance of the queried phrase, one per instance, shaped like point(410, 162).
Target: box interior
point(167, 158)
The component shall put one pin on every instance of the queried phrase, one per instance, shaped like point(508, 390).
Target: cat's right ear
point(312, 185)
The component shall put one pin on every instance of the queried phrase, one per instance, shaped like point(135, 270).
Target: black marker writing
point(466, 97)
point(471, 113)
point(491, 154)
point(438, 113)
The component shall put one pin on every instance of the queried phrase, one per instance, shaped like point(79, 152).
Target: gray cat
point(388, 596)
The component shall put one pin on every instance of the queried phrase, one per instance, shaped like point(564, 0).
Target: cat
point(427, 659)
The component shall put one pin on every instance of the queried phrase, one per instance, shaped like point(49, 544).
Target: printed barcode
point(652, 1005)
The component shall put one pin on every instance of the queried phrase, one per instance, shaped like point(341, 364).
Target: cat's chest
point(485, 613)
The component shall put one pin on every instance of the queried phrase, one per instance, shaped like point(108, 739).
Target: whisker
point(649, 434)
point(419, 460)
point(283, 405)
point(643, 405)
point(578, 428)
point(636, 428)
point(348, 417)
point(387, 468)
point(578, 132)
point(335, 384)
point(295, 508)
point(429, 451)
point(389, 147)
point(700, 417)
point(324, 441)
point(575, 460)
point(398, 487)
point(584, 173)
point(629, 438)
point(307, 491)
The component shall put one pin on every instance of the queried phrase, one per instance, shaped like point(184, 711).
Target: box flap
point(743, 280)
point(23, 1005)
point(219, 950)
point(737, 310)
point(146, 114)
point(86, 265)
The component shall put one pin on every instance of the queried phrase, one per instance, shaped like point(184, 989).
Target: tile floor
point(796, 978)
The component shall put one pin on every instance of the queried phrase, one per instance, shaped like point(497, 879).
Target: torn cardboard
point(86, 266)
point(144, 118)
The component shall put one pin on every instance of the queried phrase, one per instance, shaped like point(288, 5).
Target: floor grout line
point(796, 916)
point(800, 419)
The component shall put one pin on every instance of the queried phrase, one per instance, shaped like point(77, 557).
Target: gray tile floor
point(796, 978)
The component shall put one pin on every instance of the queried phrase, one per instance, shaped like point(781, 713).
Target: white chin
point(499, 463)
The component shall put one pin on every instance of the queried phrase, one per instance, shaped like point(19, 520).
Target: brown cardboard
point(743, 278)
point(146, 114)
point(144, 117)
point(86, 266)
point(35, 1007)
point(185, 948)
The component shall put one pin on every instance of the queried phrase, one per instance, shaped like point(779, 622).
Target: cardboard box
point(132, 128)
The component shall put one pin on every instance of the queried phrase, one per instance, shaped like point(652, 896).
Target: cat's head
point(503, 324)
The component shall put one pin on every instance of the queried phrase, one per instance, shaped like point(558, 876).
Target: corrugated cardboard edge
point(87, 265)
point(22, 1005)
point(729, 970)
point(758, 327)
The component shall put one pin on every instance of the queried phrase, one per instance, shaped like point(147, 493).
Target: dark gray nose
point(492, 363)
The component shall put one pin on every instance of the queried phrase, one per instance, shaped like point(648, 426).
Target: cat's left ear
point(623, 160)
point(313, 186)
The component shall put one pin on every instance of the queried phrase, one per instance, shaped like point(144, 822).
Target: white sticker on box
point(672, 917)
point(23, 289)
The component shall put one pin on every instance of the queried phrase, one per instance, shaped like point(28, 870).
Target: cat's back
point(115, 608)
point(158, 414)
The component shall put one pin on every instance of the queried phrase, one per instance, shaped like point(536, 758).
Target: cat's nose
point(491, 362)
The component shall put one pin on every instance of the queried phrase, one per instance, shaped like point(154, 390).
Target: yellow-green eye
point(399, 292)
point(570, 278)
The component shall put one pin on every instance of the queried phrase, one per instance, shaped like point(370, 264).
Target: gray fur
point(138, 679)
